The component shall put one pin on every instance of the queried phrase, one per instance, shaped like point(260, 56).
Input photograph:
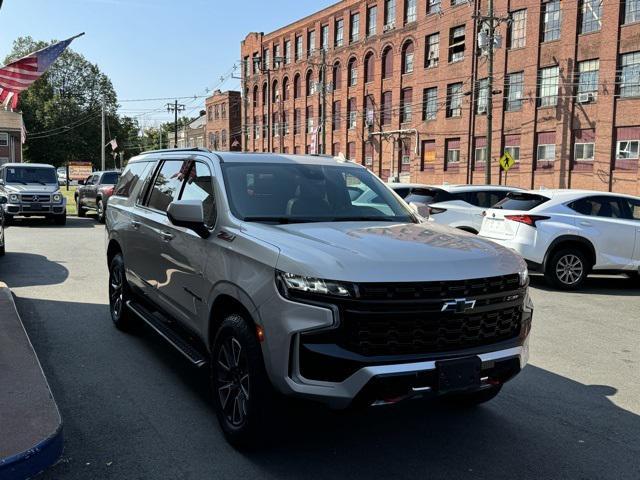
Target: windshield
point(26, 175)
point(110, 178)
point(520, 201)
point(295, 193)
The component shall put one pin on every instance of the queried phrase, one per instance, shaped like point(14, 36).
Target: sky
point(154, 48)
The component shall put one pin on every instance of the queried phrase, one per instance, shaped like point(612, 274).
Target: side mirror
point(421, 209)
point(3, 200)
point(188, 214)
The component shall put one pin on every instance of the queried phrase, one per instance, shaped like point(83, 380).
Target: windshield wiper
point(371, 218)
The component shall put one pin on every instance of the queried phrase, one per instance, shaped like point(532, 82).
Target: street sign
point(507, 161)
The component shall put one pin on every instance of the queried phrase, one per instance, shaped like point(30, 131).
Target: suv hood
point(383, 252)
point(31, 188)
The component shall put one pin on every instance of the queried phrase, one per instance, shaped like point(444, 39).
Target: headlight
point(14, 198)
point(57, 197)
point(524, 276)
point(290, 285)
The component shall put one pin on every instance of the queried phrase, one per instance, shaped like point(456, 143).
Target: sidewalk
point(30, 423)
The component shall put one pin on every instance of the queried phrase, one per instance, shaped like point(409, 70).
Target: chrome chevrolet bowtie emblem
point(459, 305)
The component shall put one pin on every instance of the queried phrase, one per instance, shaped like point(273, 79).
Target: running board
point(172, 336)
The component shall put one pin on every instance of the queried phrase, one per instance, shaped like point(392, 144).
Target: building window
point(297, 86)
point(405, 153)
point(454, 100)
point(407, 58)
point(339, 33)
point(209, 115)
point(456, 44)
point(337, 114)
point(266, 58)
point(480, 152)
point(514, 87)
point(590, 15)
point(368, 154)
point(389, 14)
point(518, 29)
point(311, 42)
point(551, 20)
point(287, 52)
point(434, 6)
point(631, 11)
point(245, 67)
point(310, 84)
point(630, 75)
point(628, 149)
point(353, 72)
point(458, 2)
point(337, 77)
point(432, 51)
point(482, 98)
point(216, 112)
point(285, 122)
point(256, 97)
point(324, 37)
point(583, 151)
point(297, 121)
point(285, 89)
point(410, 11)
point(369, 63)
point(452, 154)
point(223, 110)
point(369, 109)
point(514, 151)
point(387, 62)
point(548, 87)
point(223, 138)
point(429, 103)
point(255, 63)
point(372, 20)
point(546, 153)
point(298, 54)
point(588, 73)
point(386, 110)
point(406, 109)
point(352, 113)
point(309, 116)
point(351, 151)
point(277, 57)
point(275, 93)
point(354, 32)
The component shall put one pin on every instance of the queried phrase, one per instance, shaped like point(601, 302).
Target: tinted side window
point(428, 195)
point(199, 186)
point(402, 192)
point(168, 183)
point(521, 201)
point(634, 206)
point(109, 178)
point(599, 206)
point(130, 178)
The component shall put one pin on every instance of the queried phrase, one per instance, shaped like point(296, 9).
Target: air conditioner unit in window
point(482, 109)
point(586, 97)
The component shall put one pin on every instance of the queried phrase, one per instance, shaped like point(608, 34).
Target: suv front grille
point(35, 198)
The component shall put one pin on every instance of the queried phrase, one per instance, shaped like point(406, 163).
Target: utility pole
point(323, 107)
point(175, 108)
point(488, 41)
point(103, 140)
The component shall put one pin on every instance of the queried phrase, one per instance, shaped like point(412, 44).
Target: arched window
point(285, 89)
point(265, 97)
point(368, 67)
point(310, 85)
point(407, 57)
point(275, 93)
point(296, 86)
point(337, 76)
point(387, 62)
point(256, 97)
point(353, 72)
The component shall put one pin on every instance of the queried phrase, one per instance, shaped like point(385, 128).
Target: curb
point(32, 434)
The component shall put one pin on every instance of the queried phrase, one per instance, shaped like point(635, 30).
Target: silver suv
point(32, 189)
point(263, 267)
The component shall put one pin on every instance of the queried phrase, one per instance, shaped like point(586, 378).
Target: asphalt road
point(134, 409)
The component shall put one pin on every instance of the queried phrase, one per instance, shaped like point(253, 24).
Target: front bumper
point(380, 378)
point(35, 208)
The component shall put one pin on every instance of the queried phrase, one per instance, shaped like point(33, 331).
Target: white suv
point(459, 206)
point(569, 233)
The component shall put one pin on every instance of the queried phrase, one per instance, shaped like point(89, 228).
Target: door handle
point(135, 224)
point(166, 236)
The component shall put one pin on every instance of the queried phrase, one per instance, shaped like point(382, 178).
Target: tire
point(100, 211)
point(81, 210)
point(473, 399)
point(242, 394)
point(634, 277)
point(119, 293)
point(567, 269)
point(60, 219)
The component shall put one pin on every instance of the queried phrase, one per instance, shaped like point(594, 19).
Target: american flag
point(17, 76)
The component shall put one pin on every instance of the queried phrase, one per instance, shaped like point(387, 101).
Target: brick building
point(224, 124)
point(10, 136)
point(407, 91)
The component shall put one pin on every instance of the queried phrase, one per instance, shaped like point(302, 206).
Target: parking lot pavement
point(133, 408)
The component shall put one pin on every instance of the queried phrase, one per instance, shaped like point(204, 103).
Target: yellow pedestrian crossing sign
point(506, 161)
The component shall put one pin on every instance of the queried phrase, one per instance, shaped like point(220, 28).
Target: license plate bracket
point(459, 374)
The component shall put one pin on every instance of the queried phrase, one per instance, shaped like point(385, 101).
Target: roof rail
point(169, 150)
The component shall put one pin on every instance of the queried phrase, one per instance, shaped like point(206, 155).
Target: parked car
point(95, 192)
point(568, 234)
point(32, 189)
point(263, 266)
point(458, 206)
point(3, 242)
